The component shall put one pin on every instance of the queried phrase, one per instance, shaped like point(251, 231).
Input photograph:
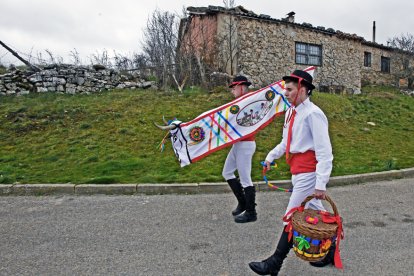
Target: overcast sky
point(31, 26)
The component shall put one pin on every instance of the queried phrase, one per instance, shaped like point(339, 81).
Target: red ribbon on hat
point(237, 83)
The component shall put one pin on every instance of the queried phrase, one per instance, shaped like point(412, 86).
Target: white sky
point(93, 25)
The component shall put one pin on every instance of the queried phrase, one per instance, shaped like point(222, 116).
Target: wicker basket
point(314, 231)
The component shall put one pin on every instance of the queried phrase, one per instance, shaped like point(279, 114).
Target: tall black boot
point(272, 265)
point(250, 213)
point(329, 258)
point(237, 189)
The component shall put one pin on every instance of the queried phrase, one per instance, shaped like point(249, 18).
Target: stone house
point(238, 41)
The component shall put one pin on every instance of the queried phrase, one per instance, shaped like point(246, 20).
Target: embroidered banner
point(229, 123)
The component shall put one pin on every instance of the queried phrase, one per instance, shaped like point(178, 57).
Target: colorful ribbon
point(263, 163)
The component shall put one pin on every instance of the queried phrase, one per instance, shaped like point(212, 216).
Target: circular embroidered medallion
point(197, 134)
point(234, 109)
point(270, 95)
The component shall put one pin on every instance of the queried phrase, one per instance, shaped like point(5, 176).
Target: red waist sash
point(302, 162)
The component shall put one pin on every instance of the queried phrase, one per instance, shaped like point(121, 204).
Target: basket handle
point(327, 198)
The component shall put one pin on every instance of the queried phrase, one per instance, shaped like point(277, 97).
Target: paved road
point(195, 234)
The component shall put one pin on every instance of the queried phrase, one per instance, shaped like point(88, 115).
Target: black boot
point(329, 259)
point(237, 189)
point(250, 213)
point(272, 265)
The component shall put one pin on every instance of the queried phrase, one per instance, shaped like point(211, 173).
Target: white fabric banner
point(229, 123)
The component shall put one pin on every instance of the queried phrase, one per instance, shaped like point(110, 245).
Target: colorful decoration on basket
point(263, 163)
point(326, 244)
point(327, 217)
point(312, 241)
point(312, 220)
point(227, 124)
point(302, 242)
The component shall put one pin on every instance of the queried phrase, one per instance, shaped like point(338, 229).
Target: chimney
point(291, 17)
point(373, 32)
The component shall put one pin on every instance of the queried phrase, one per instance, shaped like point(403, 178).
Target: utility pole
point(33, 67)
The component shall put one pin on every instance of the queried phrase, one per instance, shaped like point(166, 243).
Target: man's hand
point(319, 194)
point(267, 165)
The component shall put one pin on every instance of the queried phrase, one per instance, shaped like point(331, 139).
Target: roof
point(242, 12)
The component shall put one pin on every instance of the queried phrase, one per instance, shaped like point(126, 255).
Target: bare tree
point(122, 62)
point(48, 58)
point(160, 42)
point(101, 58)
point(180, 52)
point(51, 56)
point(228, 40)
point(40, 59)
point(405, 52)
point(139, 61)
point(74, 54)
point(53, 59)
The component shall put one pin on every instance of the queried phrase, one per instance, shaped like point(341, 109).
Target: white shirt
point(309, 132)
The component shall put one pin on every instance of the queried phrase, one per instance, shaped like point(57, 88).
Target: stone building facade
point(265, 49)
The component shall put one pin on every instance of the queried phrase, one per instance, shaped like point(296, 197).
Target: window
point(367, 59)
point(309, 54)
point(406, 64)
point(385, 64)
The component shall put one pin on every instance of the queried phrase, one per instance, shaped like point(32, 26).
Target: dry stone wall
point(68, 79)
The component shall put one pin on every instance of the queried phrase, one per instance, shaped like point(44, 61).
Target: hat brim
point(243, 83)
point(310, 85)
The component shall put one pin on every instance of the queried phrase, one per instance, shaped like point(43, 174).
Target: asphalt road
point(195, 234)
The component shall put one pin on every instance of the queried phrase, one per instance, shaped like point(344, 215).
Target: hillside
point(109, 137)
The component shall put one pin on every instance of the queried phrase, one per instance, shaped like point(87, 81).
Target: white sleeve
point(277, 152)
point(318, 124)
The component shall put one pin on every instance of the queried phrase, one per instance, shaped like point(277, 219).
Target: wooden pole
point(34, 67)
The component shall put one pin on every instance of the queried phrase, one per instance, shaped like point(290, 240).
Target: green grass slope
point(109, 137)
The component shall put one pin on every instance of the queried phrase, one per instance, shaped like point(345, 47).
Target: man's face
point(291, 91)
point(237, 90)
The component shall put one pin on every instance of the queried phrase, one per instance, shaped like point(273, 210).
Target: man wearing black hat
point(240, 159)
point(308, 151)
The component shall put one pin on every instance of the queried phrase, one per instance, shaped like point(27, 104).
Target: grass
point(109, 137)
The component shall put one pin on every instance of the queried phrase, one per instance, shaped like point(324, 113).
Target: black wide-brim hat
point(304, 76)
point(240, 80)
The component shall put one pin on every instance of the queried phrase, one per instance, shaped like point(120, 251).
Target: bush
point(220, 89)
point(3, 69)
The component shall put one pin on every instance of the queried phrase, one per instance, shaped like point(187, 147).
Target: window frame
point(307, 53)
point(367, 59)
point(405, 64)
point(387, 67)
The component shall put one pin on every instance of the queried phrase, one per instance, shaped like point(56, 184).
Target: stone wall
point(267, 52)
point(68, 79)
point(373, 74)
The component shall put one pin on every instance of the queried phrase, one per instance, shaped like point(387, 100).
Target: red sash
point(302, 162)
